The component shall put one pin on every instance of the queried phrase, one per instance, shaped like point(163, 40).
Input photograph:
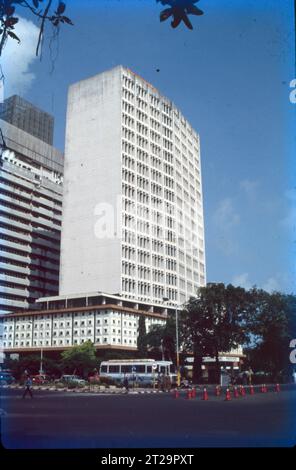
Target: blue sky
point(230, 77)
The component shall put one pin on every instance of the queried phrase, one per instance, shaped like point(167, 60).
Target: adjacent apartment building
point(30, 212)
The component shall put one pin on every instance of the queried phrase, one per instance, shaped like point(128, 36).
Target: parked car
point(6, 378)
point(72, 378)
point(40, 379)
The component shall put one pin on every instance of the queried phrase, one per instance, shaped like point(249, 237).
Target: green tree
point(79, 359)
point(162, 338)
point(214, 322)
point(273, 326)
point(141, 340)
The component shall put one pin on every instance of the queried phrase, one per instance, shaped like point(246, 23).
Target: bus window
point(114, 369)
point(126, 369)
point(140, 369)
point(104, 369)
point(162, 369)
point(149, 369)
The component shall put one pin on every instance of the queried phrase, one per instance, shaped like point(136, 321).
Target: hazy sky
point(230, 77)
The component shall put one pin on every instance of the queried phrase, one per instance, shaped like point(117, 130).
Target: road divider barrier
point(228, 395)
point(176, 393)
point(242, 391)
point(205, 395)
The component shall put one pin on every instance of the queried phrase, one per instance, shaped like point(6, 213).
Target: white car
point(72, 378)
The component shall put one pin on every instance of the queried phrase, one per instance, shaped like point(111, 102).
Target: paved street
point(63, 420)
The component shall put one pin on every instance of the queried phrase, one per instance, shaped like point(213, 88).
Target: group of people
point(247, 377)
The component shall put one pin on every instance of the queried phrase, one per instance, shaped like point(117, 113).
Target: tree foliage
point(49, 11)
point(162, 339)
point(273, 325)
point(214, 322)
point(79, 359)
point(220, 318)
point(141, 342)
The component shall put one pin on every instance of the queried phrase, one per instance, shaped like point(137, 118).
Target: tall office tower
point(30, 218)
point(24, 115)
point(132, 208)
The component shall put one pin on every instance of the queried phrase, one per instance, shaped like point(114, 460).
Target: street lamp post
point(166, 299)
point(177, 350)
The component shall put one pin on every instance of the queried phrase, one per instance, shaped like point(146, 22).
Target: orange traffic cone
point(228, 395)
point(262, 389)
point(235, 392)
point(277, 388)
point(217, 391)
point(242, 391)
point(205, 395)
point(193, 393)
point(189, 396)
point(265, 388)
point(251, 390)
point(177, 393)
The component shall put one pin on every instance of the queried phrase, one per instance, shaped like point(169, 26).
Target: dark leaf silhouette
point(43, 10)
point(14, 36)
point(9, 10)
point(179, 11)
point(165, 14)
point(10, 22)
point(67, 20)
point(61, 8)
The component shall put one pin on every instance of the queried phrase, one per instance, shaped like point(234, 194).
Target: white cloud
point(225, 217)
point(249, 187)
point(17, 58)
point(242, 280)
point(289, 220)
point(271, 285)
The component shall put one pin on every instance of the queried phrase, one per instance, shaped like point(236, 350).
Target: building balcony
point(15, 223)
point(13, 200)
point(13, 257)
point(13, 268)
point(14, 245)
point(15, 192)
point(15, 212)
point(15, 291)
point(17, 176)
point(14, 280)
point(14, 303)
point(21, 236)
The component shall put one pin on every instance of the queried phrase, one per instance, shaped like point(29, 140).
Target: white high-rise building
point(132, 209)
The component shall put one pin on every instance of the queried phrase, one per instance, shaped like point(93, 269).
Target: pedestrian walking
point(28, 386)
point(125, 384)
point(250, 375)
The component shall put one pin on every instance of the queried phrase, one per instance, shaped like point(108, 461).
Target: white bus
point(141, 371)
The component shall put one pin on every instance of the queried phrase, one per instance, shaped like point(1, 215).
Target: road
point(64, 420)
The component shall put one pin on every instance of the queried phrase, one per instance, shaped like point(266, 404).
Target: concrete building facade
point(132, 208)
point(24, 115)
point(65, 321)
point(30, 219)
